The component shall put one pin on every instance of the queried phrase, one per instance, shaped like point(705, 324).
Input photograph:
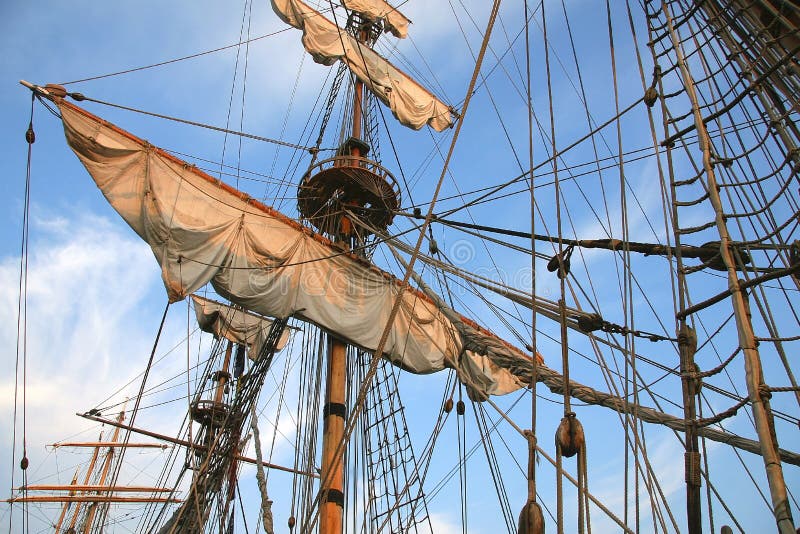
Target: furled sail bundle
point(237, 326)
point(202, 231)
point(412, 104)
point(395, 22)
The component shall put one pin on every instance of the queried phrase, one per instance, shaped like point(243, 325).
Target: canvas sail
point(237, 326)
point(202, 231)
point(395, 22)
point(411, 104)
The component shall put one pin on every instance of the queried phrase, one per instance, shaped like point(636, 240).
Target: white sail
point(235, 325)
point(412, 104)
point(394, 21)
point(202, 231)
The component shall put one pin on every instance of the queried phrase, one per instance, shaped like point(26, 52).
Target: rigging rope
point(175, 60)
point(126, 439)
point(80, 97)
point(22, 335)
point(531, 436)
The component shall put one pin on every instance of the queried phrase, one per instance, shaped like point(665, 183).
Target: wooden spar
point(752, 360)
point(93, 487)
point(261, 208)
point(94, 499)
point(110, 444)
point(687, 346)
point(184, 443)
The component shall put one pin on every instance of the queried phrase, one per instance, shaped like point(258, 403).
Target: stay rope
point(22, 336)
point(174, 60)
point(118, 465)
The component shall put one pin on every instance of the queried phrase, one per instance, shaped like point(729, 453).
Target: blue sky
point(95, 296)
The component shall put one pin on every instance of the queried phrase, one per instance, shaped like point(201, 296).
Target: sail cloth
point(395, 22)
point(237, 326)
point(411, 104)
point(202, 231)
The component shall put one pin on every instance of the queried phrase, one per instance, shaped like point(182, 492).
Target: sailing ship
point(370, 303)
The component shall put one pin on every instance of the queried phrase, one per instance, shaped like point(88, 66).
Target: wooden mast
point(86, 479)
point(224, 375)
point(332, 476)
point(335, 411)
point(759, 400)
point(66, 504)
point(93, 494)
point(106, 466)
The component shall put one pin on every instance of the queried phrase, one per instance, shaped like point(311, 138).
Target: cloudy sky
point(94, 295)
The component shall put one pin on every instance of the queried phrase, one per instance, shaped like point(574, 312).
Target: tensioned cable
point(644, 152)
point(232, 91)
point(175, 60)
point(126, 439)
point(80, 97)
point(22, 333)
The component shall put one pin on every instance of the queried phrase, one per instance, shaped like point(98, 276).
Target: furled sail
point(412, 104)
point(394, 21)
point(202, 231)
point(235, 325)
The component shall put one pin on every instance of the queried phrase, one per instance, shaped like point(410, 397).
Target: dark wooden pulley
point(569, 435)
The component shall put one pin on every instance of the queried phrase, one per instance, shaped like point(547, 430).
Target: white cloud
point(87, 280)
point(444, 524)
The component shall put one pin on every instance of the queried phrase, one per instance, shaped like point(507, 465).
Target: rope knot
point(650, 96)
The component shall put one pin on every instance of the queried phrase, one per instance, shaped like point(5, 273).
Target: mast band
point(335, 496)
point(335, 408)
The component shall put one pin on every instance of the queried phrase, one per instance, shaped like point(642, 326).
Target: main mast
point(329, 193)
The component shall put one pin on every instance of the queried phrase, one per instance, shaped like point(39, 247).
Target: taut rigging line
point(708, 252)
